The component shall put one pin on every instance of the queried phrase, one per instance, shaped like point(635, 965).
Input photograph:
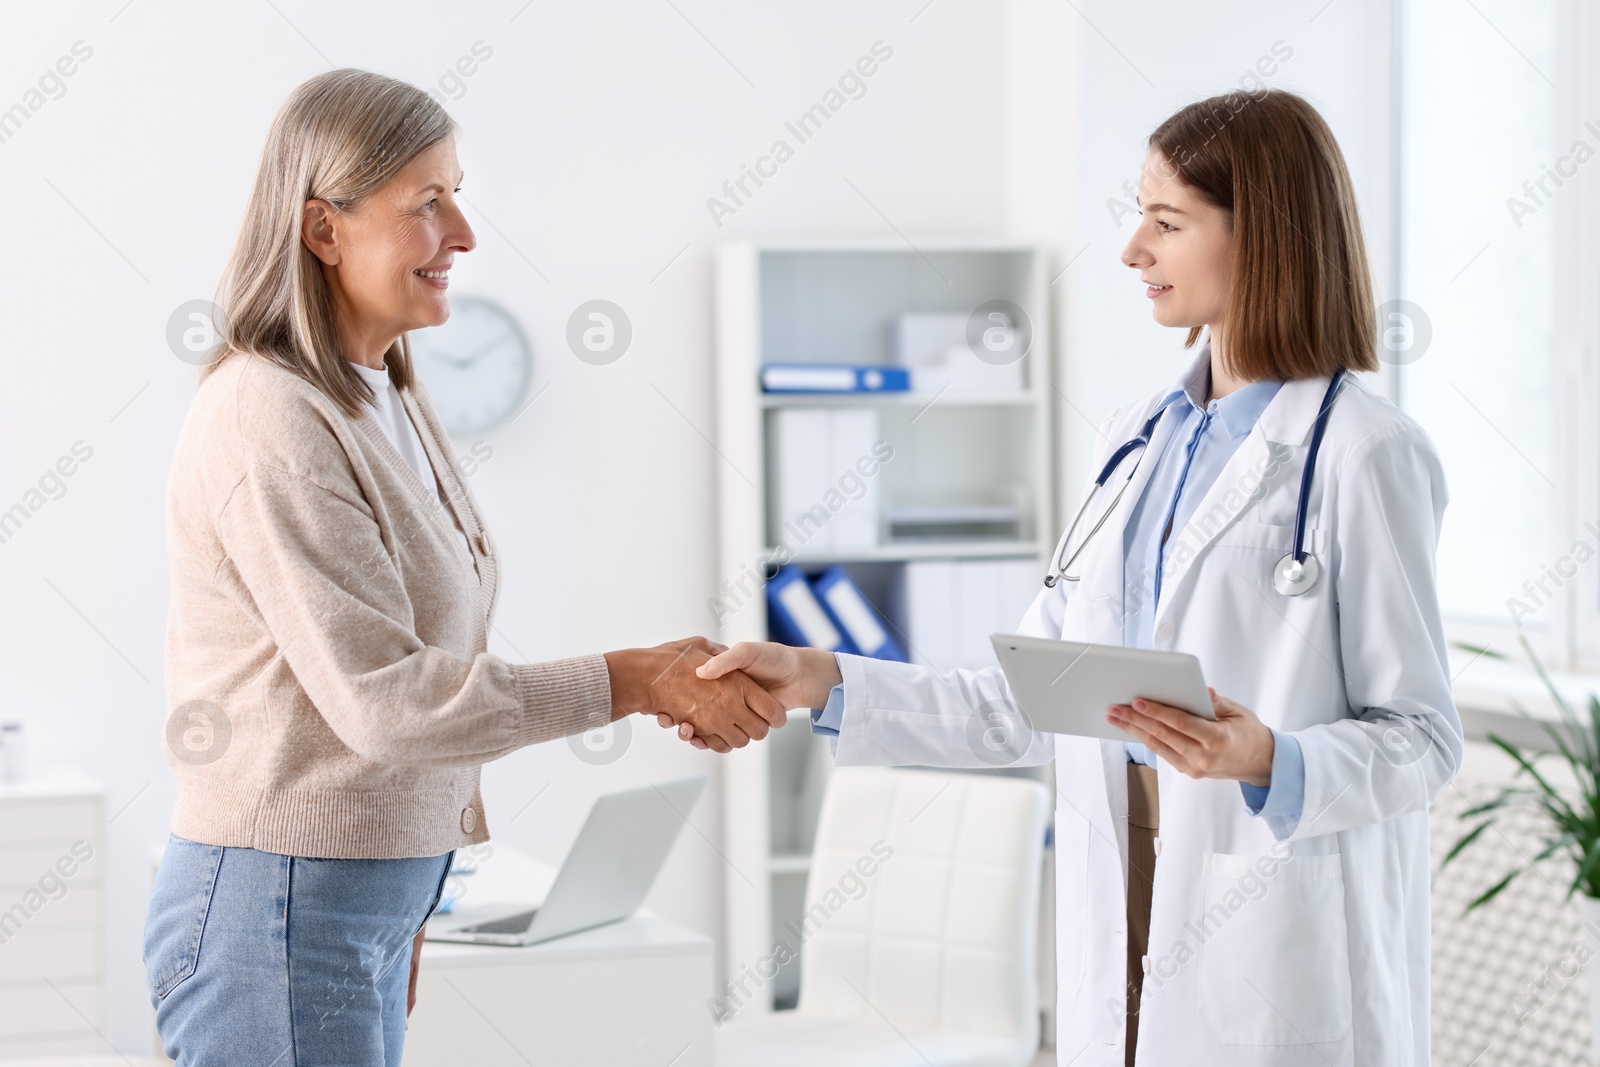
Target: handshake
point(718, 697)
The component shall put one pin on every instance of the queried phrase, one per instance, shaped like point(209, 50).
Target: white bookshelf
point(906, 553)
point(913, 400)
point(836, 303)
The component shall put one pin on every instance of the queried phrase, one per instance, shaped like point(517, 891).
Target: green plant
point(1572, 823)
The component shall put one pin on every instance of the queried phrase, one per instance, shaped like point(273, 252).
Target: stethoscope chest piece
point(1291, 578)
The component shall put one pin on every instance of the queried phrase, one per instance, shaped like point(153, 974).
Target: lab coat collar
point(1285, 413)
point(1289, 415)
point(1262, 460)
point(1103, 563)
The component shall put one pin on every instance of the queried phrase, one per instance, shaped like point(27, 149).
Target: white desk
point(633, 992)
point(52, 915)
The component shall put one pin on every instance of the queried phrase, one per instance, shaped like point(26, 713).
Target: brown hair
point(339, 137)
point(1300, 302)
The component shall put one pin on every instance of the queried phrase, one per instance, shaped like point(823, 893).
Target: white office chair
point(935, 965)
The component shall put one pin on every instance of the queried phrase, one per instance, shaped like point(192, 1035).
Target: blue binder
point(834, 378)
point(855, 616)
point(796, 617)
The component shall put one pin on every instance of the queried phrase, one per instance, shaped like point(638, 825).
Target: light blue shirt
point(1202, 440)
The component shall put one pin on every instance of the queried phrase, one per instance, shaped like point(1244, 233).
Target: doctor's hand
point(724, 713)
point(796, 677)
point(1236, 746)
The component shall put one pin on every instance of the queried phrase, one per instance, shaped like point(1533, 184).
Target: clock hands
point(489, 360)
point(473, 356)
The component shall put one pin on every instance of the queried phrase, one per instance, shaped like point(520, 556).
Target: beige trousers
point(1143, 822)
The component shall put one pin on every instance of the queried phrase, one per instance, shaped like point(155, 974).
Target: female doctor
point(1252, 890)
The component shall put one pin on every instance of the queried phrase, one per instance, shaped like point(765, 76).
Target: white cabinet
point(969, 481)
point(52, 915)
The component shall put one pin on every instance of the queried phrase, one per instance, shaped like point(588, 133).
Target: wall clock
point(477, 366)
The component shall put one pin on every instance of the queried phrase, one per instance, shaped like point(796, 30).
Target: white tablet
point(1065, 687)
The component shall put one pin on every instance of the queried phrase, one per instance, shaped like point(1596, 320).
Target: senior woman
point(332, 590)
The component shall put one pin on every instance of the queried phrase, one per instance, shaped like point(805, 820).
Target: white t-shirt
point(392, 417)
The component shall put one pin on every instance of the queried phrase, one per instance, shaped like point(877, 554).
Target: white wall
point(1140, 63)
point(593, 137)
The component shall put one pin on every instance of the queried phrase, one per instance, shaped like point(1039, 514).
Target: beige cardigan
point(328, 679)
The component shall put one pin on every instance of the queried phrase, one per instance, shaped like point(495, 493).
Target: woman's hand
point(416, 961)
point(1237, 745)
point(796, 677)
point(722, 712)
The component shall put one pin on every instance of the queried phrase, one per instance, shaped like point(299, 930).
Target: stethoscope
point(1294, 574)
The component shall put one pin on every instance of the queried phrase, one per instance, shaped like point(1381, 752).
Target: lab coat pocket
point(1275, 965)
point(1269, 537)
point(1072, 900)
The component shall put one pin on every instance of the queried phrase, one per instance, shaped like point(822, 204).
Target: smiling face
point(388, 259)
point(1182, 248)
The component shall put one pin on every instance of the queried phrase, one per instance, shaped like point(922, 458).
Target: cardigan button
point(469, 820)
point(483, 542)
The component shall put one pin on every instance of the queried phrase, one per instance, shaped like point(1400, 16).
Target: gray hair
point(339, 137)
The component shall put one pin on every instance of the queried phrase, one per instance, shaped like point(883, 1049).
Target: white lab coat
point(1321, 959)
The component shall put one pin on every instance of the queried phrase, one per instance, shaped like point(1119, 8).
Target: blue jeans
point(261, 960)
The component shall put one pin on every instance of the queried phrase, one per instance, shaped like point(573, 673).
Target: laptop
point(604, 878)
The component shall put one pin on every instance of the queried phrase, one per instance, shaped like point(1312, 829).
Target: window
point(1480, 189)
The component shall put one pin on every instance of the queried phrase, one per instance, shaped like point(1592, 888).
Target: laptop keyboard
point(511, 924)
